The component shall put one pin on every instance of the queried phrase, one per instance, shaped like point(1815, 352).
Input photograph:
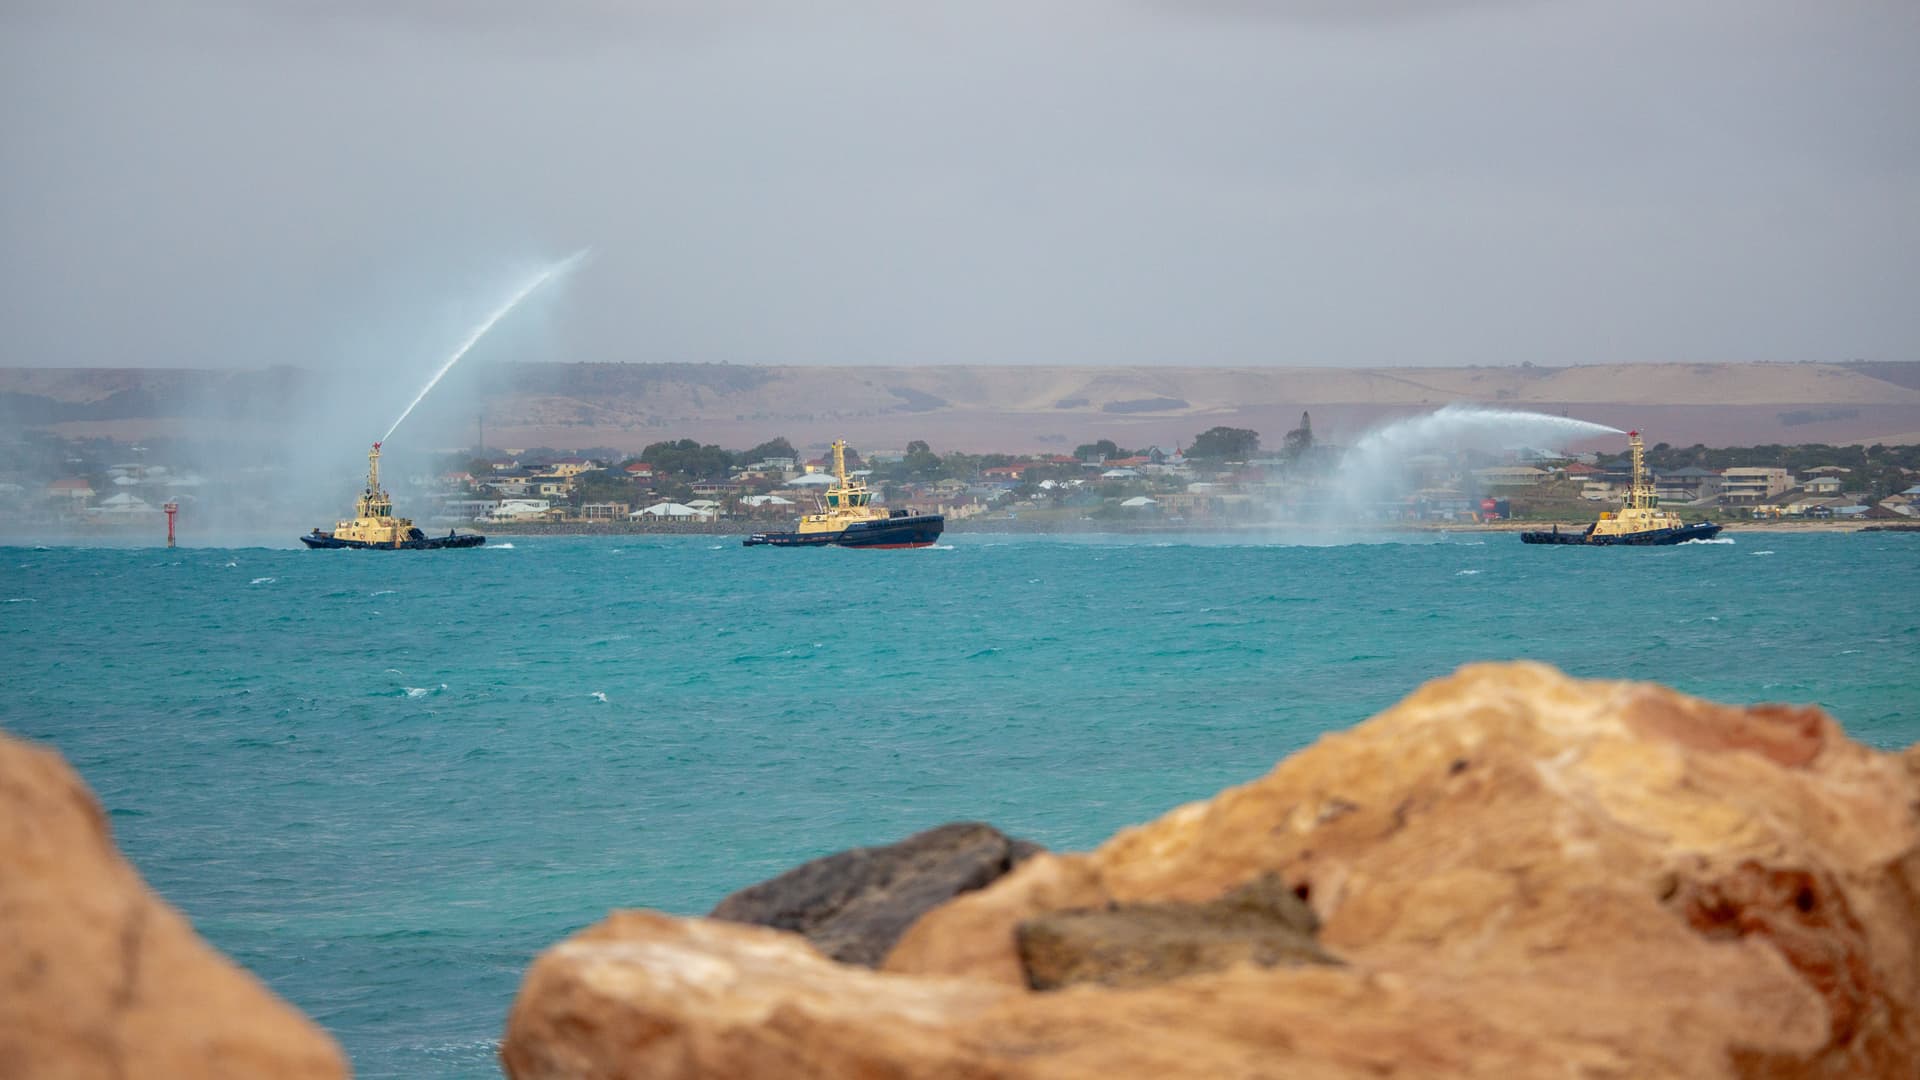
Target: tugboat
point(1640, 522)
point(848, 518)
point(374, 525)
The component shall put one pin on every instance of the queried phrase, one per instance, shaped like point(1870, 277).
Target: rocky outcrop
point(1522, 874)
point(1261, 923)
point(98, 977)
point(853, 905)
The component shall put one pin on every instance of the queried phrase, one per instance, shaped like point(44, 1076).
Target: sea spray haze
point(1372, 475)
point(284, 450)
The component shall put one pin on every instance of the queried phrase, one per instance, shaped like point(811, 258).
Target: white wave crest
point(263, 581)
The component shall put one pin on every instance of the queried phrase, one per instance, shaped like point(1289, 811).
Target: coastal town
point(1223, 478)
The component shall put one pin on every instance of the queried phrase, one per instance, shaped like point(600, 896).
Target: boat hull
point(1705, 530)
point(328, 540)
point(911, 531)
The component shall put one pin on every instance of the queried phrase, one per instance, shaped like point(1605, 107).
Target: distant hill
point(1018, 408)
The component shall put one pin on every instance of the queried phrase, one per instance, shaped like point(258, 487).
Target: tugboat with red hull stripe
point(375, 528)
point(848, 518)
point(1640, 523)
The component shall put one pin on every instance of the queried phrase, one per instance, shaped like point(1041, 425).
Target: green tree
point(921, 463)
point(1225, 444)
point(688, 460)
point(777, 447)
point(1104, 450)
point(600, 486)
point(1298, 442)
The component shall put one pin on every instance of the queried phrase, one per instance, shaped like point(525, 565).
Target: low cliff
point(1511, 873)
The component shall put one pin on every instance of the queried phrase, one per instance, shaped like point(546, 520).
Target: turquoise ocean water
point(383, 781)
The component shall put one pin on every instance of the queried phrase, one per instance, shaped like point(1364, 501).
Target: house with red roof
point(73, 487)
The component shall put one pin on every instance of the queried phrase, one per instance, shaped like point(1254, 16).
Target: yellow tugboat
point(1640, 522)
point(374, 525)
point(848, 518)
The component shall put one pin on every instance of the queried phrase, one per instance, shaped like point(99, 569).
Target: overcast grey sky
point(1132, 181)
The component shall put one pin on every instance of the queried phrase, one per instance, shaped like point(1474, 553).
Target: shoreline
point(119, 537)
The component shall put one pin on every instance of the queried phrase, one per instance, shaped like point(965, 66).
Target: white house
point(521, 509)
point(671, 510)
point(123, 505)
point(1510, 476)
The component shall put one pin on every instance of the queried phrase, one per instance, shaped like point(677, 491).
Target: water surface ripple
point(383, 781)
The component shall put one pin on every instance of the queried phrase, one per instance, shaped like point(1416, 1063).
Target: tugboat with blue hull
point(1639, 523)
point(848, 518)
point(375, 528)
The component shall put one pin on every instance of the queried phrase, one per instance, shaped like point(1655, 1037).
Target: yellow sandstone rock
point(1522, 875)
point(98, 977)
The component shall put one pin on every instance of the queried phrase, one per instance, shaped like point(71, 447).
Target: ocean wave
point(1759, 552)
point(383, 592)
point(422, 691)
point(1709, 540)
point(1464, 573)
point(480, 1050)
point(599, 695)
point(263, 581)
point(500, 547)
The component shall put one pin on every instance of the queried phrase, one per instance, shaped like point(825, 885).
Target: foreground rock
point(98, 978)
point(1525, 875)
point(853, 905)
point(1261, 923)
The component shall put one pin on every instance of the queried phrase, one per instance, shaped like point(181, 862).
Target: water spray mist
point(480, 331)
point(1371, 470)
